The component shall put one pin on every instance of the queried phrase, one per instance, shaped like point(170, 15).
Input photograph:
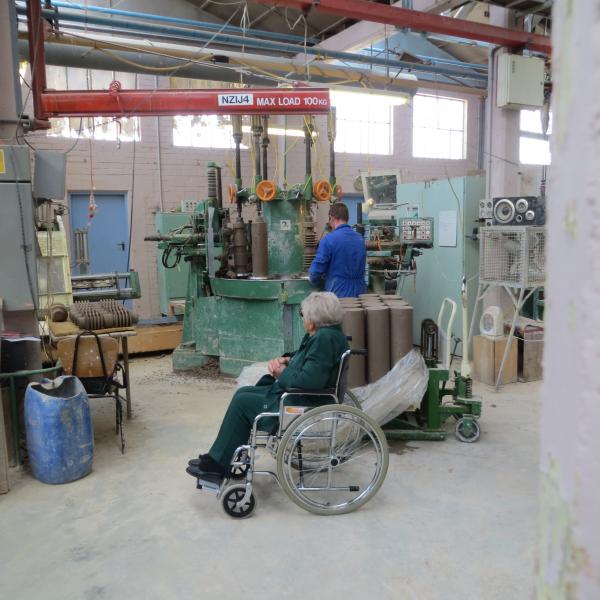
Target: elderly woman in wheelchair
point(330, 458)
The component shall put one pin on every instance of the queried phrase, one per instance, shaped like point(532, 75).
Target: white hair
point(322, 308)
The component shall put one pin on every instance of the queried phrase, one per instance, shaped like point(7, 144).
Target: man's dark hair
point(339, 211)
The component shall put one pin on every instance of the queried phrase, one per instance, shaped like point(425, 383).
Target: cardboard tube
point(353, 325)
point(378, 341)
point(400, 332)
point(396, 303)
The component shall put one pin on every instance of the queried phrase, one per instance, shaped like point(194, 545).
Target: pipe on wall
point(158, 156)
point(93, 57)
point(70, 55)
point(37, 60)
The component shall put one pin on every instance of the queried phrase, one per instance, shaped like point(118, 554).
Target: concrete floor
point(452, 520)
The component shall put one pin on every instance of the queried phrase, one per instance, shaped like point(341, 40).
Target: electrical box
point(417, 232)
point(189, 206)
point(520, 82)
point(49, 175)
point(18, 242)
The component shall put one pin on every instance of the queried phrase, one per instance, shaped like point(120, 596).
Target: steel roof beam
point(420, 21)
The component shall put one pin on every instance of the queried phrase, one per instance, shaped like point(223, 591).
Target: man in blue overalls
point(340, 258)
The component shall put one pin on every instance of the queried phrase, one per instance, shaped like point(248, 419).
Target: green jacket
point(313, 367)
point(315, 364)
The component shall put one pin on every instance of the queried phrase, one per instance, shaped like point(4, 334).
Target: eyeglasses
point(301, 313)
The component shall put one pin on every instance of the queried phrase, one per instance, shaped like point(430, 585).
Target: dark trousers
point(247, 402)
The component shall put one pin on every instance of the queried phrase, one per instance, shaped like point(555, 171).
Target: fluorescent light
point(392, 97)
point(277, 131)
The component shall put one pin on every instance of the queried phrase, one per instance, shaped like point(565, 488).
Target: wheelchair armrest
point(305, 392)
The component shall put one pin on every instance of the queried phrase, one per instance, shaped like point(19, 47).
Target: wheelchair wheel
point(240, 471)
point(233, 505)
point(332, 460)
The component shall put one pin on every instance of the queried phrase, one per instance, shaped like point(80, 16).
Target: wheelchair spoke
point(343, 460)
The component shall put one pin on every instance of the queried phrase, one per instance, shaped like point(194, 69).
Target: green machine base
point(246, 321)
point(186, 358)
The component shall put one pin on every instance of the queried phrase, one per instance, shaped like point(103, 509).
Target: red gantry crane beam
point(121, 103)
point(117, 102)
point(363, 10)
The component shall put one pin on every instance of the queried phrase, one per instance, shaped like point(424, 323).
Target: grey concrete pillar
point(569, 538)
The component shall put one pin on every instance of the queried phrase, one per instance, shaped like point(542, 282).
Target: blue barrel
point(58, 424)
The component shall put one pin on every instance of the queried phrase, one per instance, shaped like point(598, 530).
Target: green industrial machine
point(247, 280)
point(172, 273)
point(392, 244)
point(440, 402)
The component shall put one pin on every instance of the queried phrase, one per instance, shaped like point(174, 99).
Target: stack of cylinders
point(353, 324)
point(260, 254)
point(400, 331)
point(378, 341)
point(381, 324)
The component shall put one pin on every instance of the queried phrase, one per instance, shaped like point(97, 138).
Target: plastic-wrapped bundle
point(396, 392)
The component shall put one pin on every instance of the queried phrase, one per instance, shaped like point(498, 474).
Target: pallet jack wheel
point(232, 505)
point(467, 430)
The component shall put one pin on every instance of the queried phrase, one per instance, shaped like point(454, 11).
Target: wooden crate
point(531, 353)
point(487, 357)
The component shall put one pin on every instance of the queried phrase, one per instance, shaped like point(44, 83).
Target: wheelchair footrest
point(208, 486)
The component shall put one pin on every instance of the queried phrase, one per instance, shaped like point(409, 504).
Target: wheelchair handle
point(359, 351)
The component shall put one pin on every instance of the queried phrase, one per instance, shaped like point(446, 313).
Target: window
point(125, 129)
point(363, 123)
point(534, 146)
point(203, 131)
point(439, 126)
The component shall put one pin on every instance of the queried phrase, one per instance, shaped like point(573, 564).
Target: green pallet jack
point(441, 402)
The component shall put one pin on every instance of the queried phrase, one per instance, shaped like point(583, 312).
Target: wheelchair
point(330, 459)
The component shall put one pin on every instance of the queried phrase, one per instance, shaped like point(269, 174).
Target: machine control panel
point(416, 232)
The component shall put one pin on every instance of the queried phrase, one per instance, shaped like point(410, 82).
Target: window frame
point(437, 131)
point(346, 126)
point(530, 135)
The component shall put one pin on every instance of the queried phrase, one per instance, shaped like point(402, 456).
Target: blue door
point(352, 201)
point(108, 230)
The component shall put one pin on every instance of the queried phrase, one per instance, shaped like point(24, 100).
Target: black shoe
point(208, 465)
point(216, 478)
point(195, 462)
